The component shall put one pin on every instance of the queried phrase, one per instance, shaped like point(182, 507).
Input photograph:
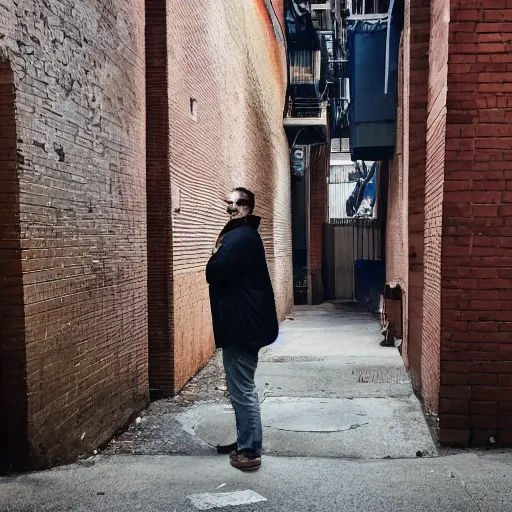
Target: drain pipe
point(388, 38)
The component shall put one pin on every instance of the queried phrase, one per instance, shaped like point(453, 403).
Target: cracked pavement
point(327, 389)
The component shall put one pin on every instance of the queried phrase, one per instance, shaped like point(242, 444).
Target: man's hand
point(218, 245)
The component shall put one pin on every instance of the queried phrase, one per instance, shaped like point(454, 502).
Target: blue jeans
point(240, 368)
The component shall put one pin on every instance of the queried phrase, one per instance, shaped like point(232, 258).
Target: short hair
point(249, 194)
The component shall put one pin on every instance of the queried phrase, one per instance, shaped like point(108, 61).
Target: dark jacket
point(241, 295)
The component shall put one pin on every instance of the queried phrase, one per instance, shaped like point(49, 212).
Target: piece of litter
point(207, 500)
point(221, 486)
point(138, 420)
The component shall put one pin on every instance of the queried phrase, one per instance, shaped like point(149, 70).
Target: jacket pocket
point(233, 321)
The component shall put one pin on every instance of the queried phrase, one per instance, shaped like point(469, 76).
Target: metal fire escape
point(317, 97)
point(338, 49)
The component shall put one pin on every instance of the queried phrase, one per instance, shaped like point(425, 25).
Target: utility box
point(372, 50)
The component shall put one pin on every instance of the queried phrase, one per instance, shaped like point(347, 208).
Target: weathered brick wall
point(418, 101)
point(434, 175)
point(476, 392)
point(398, 195)
point(227, 58)
point(79, 81)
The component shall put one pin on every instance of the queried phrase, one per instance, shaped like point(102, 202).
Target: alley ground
point(343, 431)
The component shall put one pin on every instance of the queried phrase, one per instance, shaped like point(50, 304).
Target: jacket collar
point(252, 221)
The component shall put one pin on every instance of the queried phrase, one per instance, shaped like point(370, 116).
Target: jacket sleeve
point(231, 258)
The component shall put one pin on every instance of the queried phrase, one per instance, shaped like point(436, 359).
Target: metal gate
point(345, 241)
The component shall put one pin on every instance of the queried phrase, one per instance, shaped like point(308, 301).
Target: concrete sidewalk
point(124, 483)
point(328, 389)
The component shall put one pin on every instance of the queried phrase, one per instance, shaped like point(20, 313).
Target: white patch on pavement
point(207, 500)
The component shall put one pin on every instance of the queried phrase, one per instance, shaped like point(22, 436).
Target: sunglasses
point(240, 202)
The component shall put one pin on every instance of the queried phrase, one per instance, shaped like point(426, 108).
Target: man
point(244, 319)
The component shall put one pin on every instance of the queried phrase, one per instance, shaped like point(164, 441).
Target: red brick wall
point(418, 101)
point(434, 174)
point(79, 80)
point(397, 209)
point(476, 322)
point(225, 56)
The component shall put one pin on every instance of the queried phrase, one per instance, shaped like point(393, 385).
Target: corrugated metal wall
point(340, 189)
point(345, 241)
point(338, 196)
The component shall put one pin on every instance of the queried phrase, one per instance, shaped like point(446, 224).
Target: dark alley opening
point(158, 194)
point(13, 388)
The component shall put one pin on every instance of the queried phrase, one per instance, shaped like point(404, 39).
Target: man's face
point(238, 205)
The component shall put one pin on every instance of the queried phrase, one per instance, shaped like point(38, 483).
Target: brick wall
point(418, 102)
point(464, 313)
point(229, 60)
point(476, 391)
point(397, 208)
point(434, 174)
point(82, 211)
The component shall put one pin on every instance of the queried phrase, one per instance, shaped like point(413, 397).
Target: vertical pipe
point(388, 36)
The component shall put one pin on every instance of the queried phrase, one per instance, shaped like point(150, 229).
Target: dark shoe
point(244, 461)
point(224, 449)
